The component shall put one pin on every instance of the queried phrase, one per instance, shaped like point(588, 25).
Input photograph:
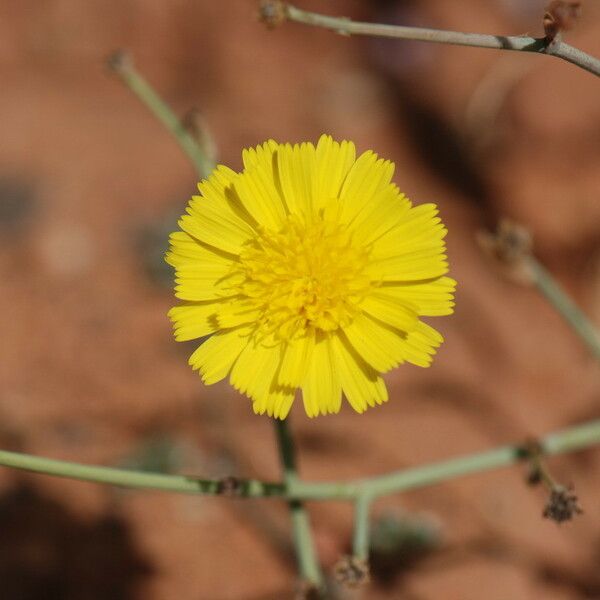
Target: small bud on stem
point(510, 246)
point(562, 504)
point(272, 13)
point(560, 16)
point(352, 572)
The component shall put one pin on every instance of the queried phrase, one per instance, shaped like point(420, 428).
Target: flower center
point(303, 276)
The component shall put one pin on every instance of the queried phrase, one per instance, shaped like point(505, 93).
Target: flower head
point(308, 270)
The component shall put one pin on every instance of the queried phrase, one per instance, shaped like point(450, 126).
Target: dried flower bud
point(352, 572)
point(560, 16)
point(119, 61)
point(272, 13)
point(307, 591)
point(509, 246)
point(562, 504)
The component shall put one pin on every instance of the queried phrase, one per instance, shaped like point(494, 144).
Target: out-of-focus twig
point(568, 310)
point(511, 247)
point(346, 26)
point(122, 65)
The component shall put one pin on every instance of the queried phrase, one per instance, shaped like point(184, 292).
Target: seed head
point(352, 572)
point(562, 504)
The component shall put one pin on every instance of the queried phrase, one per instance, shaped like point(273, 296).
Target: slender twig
point(308, 564)
point(123, 66)
point(360, 541)
point(346, 26)
point(568, 440)
point(556, 296)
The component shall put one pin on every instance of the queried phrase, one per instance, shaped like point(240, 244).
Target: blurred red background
point(90, 185)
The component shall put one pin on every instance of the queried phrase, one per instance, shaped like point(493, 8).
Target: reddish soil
point(89, 371)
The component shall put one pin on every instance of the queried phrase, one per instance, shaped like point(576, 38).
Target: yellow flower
point(309, 269)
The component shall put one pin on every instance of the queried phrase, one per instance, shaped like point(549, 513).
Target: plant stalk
point(562, 303)
point(572, 439)
point(308, 564)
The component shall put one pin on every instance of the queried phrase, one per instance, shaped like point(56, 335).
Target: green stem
point(346, 26)
point(561, 442)
point(568, 310)
point(308, 564)
point(360, 542)
point(122, 65)
point(136, 479)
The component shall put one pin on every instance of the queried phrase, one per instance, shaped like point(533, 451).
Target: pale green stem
point(308, 564)
point(568, 440)
point(360, 542)
point(123, 66)
point(346, 26)
point(556, 296)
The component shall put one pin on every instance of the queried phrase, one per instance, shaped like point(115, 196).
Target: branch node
point(352, 572)
point(230, 487)
point(272, 13)
point(343, 30)
point(532, 451)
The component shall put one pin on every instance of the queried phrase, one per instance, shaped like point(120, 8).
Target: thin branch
point(346, 26)
point(360, 541)
point(568, 440)
point(308, 564)
point(560, 301)
point(124, 68)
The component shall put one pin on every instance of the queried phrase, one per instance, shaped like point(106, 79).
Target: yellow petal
point(193, 320)
point(398, 314)
point(217, 216)
point(419, 229)
point(260, 156)
point(385, 211)
point(322, 390)
point(255, 368)
point(432, 298)
point(216, 227)
point(204, 286)
point(410, 267)
point(333, 161)
point(421, 344)
point(380, 346)
point(362, 386)
point(282, 401)
point(256, 189)
point(296, 358)
point(215, 357)
point(236, 311)
point(366, 178)
point(187, 251)
point(296, 169)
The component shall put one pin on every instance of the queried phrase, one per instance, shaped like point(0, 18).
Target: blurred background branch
point(192, 137)
point(274, 12)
